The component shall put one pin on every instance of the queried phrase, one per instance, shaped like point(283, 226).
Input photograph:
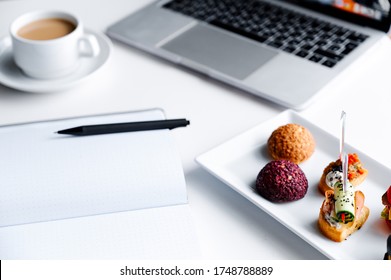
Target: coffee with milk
point(46, 29)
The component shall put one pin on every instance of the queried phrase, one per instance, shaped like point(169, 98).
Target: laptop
point(285, 51)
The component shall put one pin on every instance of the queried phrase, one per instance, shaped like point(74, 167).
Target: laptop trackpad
point(220, 51)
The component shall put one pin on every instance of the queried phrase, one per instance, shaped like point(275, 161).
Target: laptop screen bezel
point(382, 25)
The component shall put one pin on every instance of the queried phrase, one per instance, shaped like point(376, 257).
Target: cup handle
point(5, 42)
point(88, 46)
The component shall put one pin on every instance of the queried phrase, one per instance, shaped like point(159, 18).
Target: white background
point(228, 226)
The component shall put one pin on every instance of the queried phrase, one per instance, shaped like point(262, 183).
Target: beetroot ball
point(282, 181)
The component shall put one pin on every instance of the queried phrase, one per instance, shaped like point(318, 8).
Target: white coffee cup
point(43, 56)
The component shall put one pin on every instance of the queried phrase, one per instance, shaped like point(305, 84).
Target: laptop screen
point(373, 13)
point(367, 8)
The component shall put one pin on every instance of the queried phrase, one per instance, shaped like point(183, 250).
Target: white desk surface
point(228, 226)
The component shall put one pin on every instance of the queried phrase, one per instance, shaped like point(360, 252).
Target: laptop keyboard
point(301, 35)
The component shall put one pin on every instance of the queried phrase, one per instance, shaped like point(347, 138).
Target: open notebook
point(113, 196)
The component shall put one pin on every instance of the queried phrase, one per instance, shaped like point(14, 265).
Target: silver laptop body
point(269, 72)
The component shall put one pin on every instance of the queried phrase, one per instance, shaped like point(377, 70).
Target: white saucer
point(11, 76)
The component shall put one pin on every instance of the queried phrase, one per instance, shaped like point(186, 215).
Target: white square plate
point(238, 161)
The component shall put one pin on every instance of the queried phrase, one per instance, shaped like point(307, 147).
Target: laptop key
point(357, 37)
point(315, 58)
point(275, 44)
point(289, 49)
point(328, 54)
point(307, 47)
point(329, 63)
point(334, 48)
point(349, 48)
point(302, 53)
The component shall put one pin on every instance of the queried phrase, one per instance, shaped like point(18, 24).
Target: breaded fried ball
point(292, 142)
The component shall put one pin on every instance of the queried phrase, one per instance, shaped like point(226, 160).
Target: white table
point(228, 226)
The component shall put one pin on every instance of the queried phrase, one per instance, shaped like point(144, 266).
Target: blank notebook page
point(46, 176)
point(153, 234)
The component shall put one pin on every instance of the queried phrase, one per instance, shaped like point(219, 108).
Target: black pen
point(124, 127)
